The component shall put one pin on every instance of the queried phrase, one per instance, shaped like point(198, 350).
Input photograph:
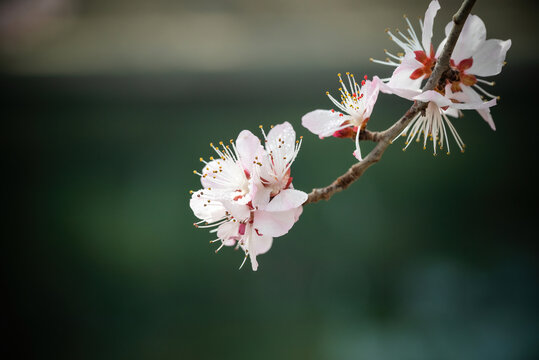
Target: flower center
point(427, 61)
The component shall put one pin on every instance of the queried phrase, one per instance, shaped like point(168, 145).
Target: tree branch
point(384, 138)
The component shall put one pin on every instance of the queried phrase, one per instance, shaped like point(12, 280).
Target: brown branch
point(385, 137)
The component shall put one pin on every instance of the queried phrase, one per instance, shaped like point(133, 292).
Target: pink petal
point(286, 200)
point(370, 92)
point(323, 122)
point(248, 146)
point(260, 244)
point(426, 37)
point(274, 223)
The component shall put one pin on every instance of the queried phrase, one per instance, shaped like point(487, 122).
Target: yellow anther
point(301, 137)
point(190, 191)
point(194, 171)
point(231, 141)
point(201, 159)
point(220, 143)
point(448, 153)
point(327, 92)
point(348, 73)
point(211, 157)
point(371, 59)
point(339, 74)
point(211, 144)
point(260, 126)
point(386, 30)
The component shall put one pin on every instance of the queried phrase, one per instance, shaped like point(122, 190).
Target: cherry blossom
point(434, 122)
point(356, 106)
point(248, 196)
point(473, 56)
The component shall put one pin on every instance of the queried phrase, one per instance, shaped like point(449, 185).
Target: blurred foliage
point(423, 258)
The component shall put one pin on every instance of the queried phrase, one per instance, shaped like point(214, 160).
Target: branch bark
point(385, 137)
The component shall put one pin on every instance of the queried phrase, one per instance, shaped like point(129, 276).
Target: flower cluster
point(247, 197)
point(461, 89)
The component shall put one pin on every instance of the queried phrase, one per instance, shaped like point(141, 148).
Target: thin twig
point(385, 137)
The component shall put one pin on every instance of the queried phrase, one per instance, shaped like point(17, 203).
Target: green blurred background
point(109, 104)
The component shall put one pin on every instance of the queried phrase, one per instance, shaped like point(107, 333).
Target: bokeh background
point(109, 104)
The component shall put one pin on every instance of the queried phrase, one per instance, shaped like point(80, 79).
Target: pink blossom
point(356, 106)
point(248, 196)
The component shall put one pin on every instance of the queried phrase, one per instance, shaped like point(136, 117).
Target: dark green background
point(423, 258)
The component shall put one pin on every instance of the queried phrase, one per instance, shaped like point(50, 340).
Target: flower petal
point(229, 233)
point(260, 244)
point(248, 147)
point(426, 37)
point(274, 223)
point(238, 211)
point(323, 122)
point(370, 92)
point(203, 210)
point(260, 195)
point(489, 58)
point(471, 38)
point(282, 137)
point(286, 200)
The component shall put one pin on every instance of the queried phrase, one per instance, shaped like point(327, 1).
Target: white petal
point(274, 223)
point(223, 175)
point(229, 232)
point(485, 111)
point(400, 83)
point(238, 211)
point(248, 146)
point(469, 99)
point(489, 58)
point(471, 38)
point(435, 97)
point(260, 195)
point(323, 122)
point(260, 244)
point(286, 200)
point(426, 37)
point(298, 213)
point(370, 91)
point(203, 210)
point(282, 135)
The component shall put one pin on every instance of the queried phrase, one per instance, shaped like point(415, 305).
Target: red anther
point(341, 115)
point(332, 110)
point(259, 234)
point(362, 82)
point(365, 77)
